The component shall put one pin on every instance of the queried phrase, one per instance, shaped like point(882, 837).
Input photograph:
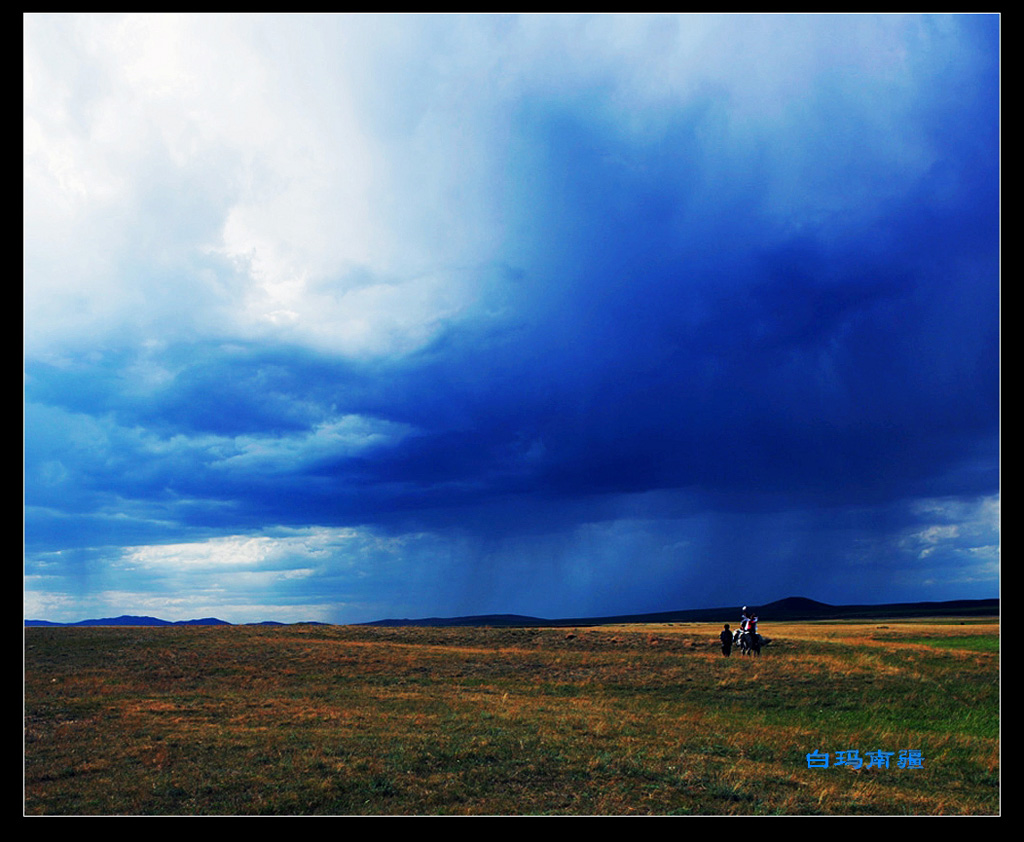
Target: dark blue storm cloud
point(687, 307)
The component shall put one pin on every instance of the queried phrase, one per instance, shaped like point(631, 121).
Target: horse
point(749, 642)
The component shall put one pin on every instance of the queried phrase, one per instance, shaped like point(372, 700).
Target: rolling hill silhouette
point(790, 609)
point(130, 620)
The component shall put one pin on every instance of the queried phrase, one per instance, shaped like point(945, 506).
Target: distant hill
point(790, 609)
point(128, 620)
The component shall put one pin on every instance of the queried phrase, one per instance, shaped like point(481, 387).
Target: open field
point(651, 719)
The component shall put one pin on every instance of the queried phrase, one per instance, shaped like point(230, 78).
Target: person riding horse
point(747, 636)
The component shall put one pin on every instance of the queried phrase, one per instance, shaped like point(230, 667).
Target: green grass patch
point(968, 643)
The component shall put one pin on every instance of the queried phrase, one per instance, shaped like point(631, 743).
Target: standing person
point(726, 638)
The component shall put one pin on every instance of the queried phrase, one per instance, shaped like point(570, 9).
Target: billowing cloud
point(582, 314)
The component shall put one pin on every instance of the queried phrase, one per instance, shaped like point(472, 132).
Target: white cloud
point(339, 180)
point(342, 437)
point(957, 533)
point(156, 145)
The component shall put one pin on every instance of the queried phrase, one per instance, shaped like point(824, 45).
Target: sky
point(340, 318)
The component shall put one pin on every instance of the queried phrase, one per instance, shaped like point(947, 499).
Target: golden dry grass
point(593, 721)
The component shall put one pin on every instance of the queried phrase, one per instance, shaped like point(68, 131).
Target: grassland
point(630, 720)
